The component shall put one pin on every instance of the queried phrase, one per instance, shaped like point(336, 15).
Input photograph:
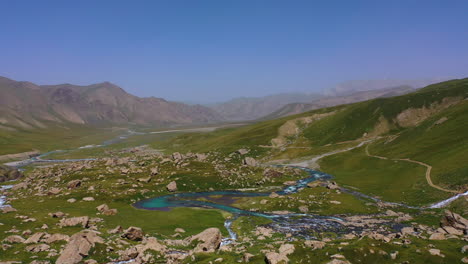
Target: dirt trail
point(428, 170)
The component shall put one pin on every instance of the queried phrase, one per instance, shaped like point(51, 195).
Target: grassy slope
point(52, 138)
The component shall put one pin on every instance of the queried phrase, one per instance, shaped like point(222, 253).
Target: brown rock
point(57, 237)
point(437, 236)
point(133, 233)
point(78, 247)
point(34, 238)
point(37, 248)
point(172, 186)
point(74, 221)
point(210, 240)
point(275, 258)
point(74, 184)
point(13, 239)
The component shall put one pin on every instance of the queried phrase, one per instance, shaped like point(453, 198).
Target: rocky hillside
point(26, 105)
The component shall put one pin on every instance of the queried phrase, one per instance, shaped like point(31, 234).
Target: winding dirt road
point(428, 170)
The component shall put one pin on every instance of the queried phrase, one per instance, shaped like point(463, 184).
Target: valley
point(353, 183)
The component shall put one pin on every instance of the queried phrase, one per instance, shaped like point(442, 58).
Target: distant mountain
point(349, 87)
point(327, 101)
point(27, 105)
point(251, 108)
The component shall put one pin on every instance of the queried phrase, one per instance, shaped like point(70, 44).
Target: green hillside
point(429, 126)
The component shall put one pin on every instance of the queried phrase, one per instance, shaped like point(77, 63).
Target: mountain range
point(27, 105)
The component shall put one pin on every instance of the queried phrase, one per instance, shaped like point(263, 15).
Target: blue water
point(299, 224)
point(166, 202)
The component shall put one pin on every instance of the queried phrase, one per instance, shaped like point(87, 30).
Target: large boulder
point(133, 233)
point(249, 161)
point(13, 239)
point(455, 221)
point(9, 173)
point(34, 238)
point(74, 221)
point(78, 247)
point(73, 184)
point(172, 186)
point(275, 258)
point(210, 240)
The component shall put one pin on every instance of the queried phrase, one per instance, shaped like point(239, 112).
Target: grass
point(394, 181)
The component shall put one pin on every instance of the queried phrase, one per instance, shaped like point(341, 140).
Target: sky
point(207, 51)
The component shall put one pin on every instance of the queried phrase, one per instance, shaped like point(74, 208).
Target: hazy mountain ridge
point(251, 108)
point(328, 101)
point(26, 105)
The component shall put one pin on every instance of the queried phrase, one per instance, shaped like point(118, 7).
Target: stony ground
point(82, 212)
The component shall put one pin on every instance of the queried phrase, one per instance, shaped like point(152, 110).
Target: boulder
point(74, 184)
point(315, 244)
point(437, 236)
point(210, 240)
point(34, 238)
point(37, 248)
point(133, 233)
point(14, 239)
point(57, 237)
point(242, 151)
point(57, 215)
point(144, 179)
point(54, 191)
point(177, 156)
point(286, 249)
point(74, 221)
point(172, 186)
point(78, 247)
point(270, 173)
point(116, 230)
point(8, 173)
point(249, 161)
point(154, 170)
point(332, 186)
point(454, 220)
point(275, 258)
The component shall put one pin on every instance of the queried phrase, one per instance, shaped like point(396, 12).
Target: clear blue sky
point(214, 50)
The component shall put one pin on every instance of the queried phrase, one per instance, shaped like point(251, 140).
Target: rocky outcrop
point(453, 223)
